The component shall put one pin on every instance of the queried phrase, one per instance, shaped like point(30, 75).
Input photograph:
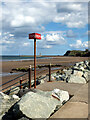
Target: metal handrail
point(12, 85)
point(13, 79)
point(29, 77)
point(16, 86)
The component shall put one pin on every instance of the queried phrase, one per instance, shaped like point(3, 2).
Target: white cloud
point(85, 44)
point(11, 35)
point(52, 38)
point(73, 19)
point(79, 44)
point(7, 38)
point(6, 42)
point(34, 14)
point(47, 46)
point(26, 44)
point(79, 24)
point(55, 38)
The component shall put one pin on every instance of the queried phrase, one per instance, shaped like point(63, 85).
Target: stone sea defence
point(76, 74)
point(32, 105)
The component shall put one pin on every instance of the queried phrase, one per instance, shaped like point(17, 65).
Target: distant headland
point(79, 53)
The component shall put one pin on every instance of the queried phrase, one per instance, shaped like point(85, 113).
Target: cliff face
point(85, 53)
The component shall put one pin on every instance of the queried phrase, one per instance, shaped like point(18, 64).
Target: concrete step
point(72, 110)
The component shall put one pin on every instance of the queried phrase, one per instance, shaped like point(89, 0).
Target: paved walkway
point(77, 106)
point(70, 87)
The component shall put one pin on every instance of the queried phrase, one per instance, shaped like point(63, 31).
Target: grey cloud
point(71, 34)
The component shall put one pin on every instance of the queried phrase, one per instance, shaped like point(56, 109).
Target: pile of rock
point(6, 102)
point(76, 74)
point(34, 104)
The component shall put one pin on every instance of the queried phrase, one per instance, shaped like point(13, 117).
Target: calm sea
point(19, 58)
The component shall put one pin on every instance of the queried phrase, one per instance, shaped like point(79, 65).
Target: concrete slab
point(70, 87)
point(72, 110)
point(81, 95)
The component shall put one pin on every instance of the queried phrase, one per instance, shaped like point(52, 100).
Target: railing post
point(20, 83)
point(29, 73)
point(50, 72)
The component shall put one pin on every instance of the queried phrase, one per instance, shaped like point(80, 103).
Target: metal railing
point(12, 82)
point(19, 83)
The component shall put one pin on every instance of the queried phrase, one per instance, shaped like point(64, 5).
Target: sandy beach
point(7, 66)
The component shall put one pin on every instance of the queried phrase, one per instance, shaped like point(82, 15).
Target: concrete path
point(70, 87)
point(76, 107)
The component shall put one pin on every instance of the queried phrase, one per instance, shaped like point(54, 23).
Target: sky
point(63, 25)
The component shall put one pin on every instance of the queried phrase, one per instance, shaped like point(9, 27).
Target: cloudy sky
point(63, 26)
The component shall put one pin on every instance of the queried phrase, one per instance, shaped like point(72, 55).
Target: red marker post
point(34, 36)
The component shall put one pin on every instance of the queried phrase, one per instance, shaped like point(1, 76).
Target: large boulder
point(6, 102)
point(86, 75)
point(76, 79)
point(38, 104)
point(78, 73)
point(3, 104)
point(63, 96)
point(68, 72)
point(13, 90)
point(78, 68)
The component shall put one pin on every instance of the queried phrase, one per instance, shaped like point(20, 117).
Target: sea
point(20, 58)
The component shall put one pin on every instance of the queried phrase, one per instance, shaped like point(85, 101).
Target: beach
point(78, 92)
point(7, 66)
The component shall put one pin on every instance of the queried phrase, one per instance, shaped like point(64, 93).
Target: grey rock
point(76, 64)
point(36, 105)
point(65, 70)
point(15, 97)
point(58, 77)
point(6, 102)
point(78, 73)
point(60, 94)
point(14, 90)
point(68, 72)
point(81, 63)
point(79, 68)
point(86, 75)
point(42, 79)
point(53, 74)
point(76, 79)
point(86, 63)
point(32, 82)
point(4, 105)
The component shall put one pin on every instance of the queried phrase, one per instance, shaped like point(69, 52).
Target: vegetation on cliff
point(80, 53)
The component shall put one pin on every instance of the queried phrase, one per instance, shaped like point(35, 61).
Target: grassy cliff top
point(80, 53)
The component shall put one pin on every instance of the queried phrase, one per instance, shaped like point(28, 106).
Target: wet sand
point(8, 66)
